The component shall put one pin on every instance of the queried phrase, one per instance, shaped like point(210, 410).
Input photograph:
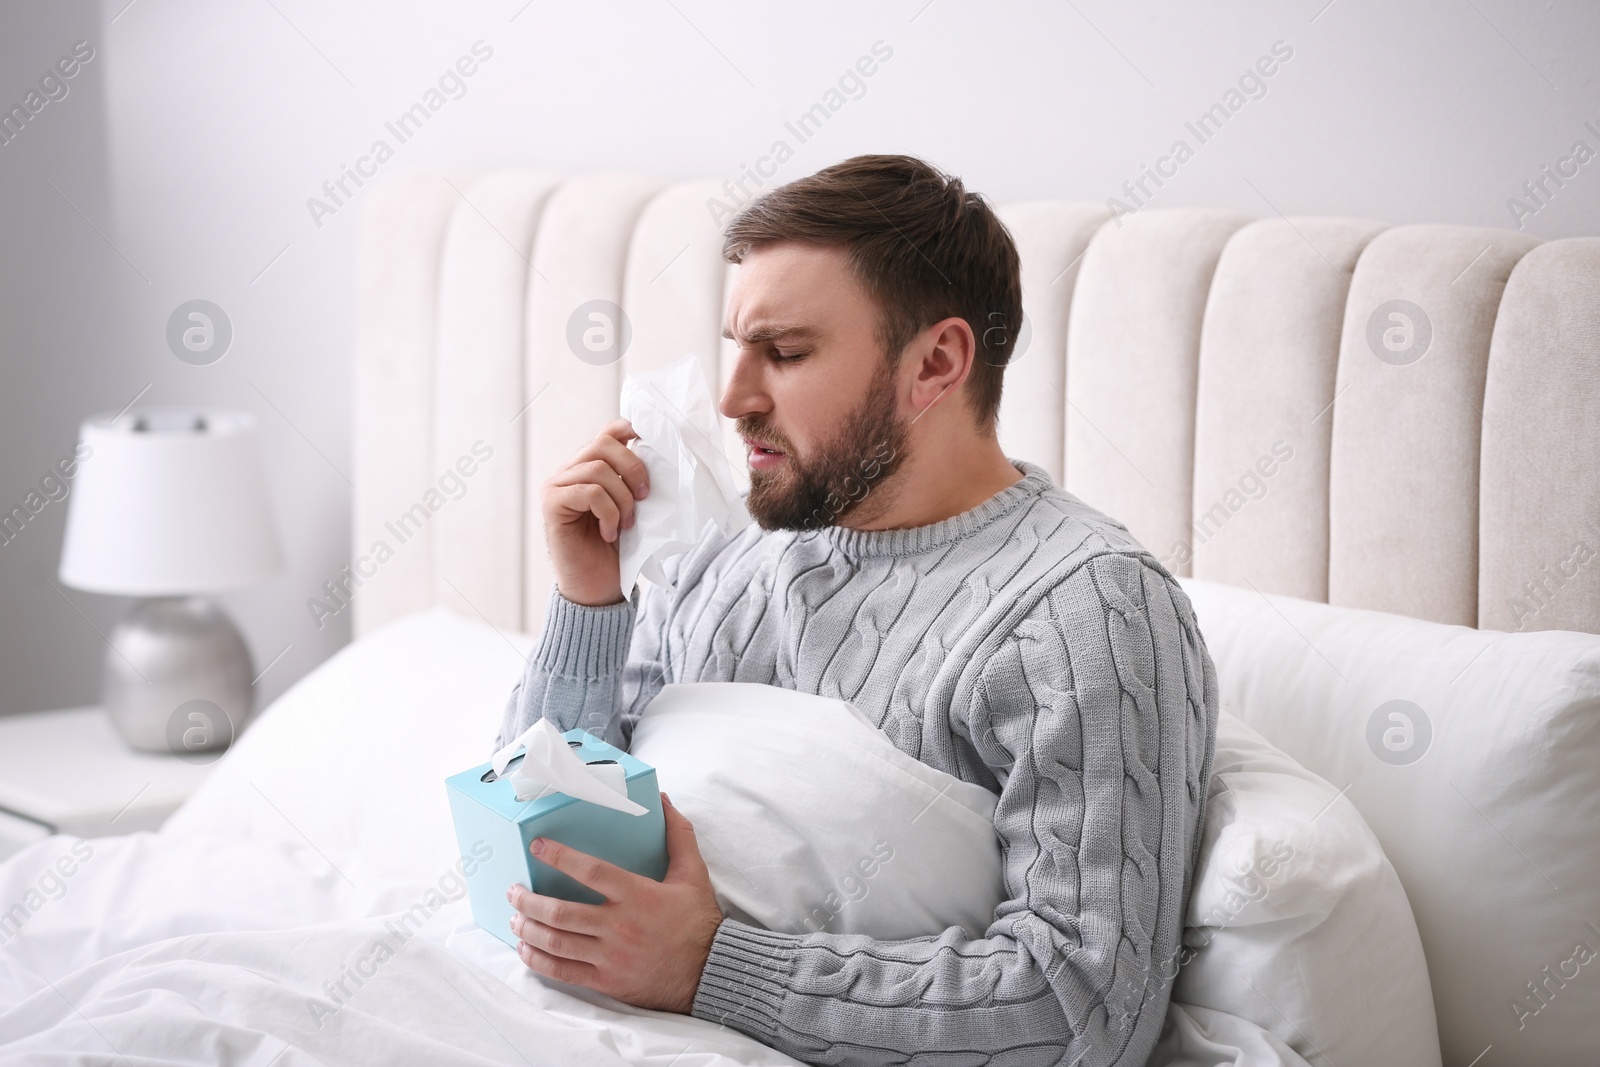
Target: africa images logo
point(1399, 732)
point(199, 332)
point(1399, 332)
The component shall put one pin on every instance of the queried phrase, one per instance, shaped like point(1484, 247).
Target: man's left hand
point(646, 945)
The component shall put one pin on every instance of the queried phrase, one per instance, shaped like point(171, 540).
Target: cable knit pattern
point(1030, 645)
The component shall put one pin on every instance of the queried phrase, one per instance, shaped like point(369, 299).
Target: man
point(993, 625)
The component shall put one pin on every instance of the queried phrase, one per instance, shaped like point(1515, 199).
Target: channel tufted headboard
point(1404, 418)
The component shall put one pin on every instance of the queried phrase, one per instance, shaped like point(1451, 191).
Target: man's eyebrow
point(771, 332)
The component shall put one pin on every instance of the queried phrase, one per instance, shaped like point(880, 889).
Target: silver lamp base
point(178, 677)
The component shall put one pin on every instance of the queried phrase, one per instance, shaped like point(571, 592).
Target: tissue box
point(489, 811)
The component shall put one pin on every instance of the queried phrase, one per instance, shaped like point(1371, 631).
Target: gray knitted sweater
point(1029, 645)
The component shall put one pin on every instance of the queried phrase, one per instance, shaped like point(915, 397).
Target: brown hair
point(923, 247)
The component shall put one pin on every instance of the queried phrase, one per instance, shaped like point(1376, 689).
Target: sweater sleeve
point(593, 668)
point(1097, 714)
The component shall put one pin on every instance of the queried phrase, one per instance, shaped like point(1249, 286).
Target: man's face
point(812, 394)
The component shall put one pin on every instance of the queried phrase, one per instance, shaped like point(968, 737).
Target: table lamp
point(170, 504)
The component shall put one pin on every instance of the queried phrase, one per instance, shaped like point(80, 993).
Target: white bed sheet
point(222, 938)
point(210, 941)
point(442, 993)
point(119, 968)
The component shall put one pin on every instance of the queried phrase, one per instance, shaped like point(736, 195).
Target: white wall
point(56, 337)
point(224, 119)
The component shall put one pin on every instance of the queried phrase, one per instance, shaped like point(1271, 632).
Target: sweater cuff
point(745, 979)
point(580, 641)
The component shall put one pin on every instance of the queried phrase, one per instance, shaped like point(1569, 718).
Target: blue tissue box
point(486, 809)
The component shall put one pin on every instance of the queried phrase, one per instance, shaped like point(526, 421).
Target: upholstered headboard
point(1404, 418)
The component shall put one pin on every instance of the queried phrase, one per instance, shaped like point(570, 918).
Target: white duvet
point(346, 991)
point(305, 905)
point(262, 925)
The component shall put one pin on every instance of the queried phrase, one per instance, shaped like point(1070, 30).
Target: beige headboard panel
point(1403, 418)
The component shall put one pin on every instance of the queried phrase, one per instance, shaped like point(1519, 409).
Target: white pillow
point(1293, 899)
point(347, 768)
point(810, 819)
point(1297, 921)
point(1200, 1037)
point(1491, 823)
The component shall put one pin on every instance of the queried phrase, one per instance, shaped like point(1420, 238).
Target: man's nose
point(744, 394)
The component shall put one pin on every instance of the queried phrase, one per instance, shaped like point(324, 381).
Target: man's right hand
point(585, 507)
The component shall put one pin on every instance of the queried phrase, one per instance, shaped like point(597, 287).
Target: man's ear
point(944, 353)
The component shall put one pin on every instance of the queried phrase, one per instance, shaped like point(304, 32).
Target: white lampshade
point(169, 502)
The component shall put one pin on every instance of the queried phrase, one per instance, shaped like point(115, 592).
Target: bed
point(1366, 450)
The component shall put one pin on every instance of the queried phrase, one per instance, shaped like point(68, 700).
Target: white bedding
point(449, 994)
point(221, 939)
point(224, 937)
point(122, 974)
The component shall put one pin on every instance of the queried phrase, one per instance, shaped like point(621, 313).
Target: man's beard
point(823, 489)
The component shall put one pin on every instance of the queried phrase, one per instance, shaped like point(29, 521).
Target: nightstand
point(69, 772)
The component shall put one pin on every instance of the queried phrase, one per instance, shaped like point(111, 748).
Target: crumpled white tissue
point(691, 480)
point(550, 766)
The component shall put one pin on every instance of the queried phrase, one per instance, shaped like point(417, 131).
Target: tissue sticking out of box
point(691, 480)
point(549, 765)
